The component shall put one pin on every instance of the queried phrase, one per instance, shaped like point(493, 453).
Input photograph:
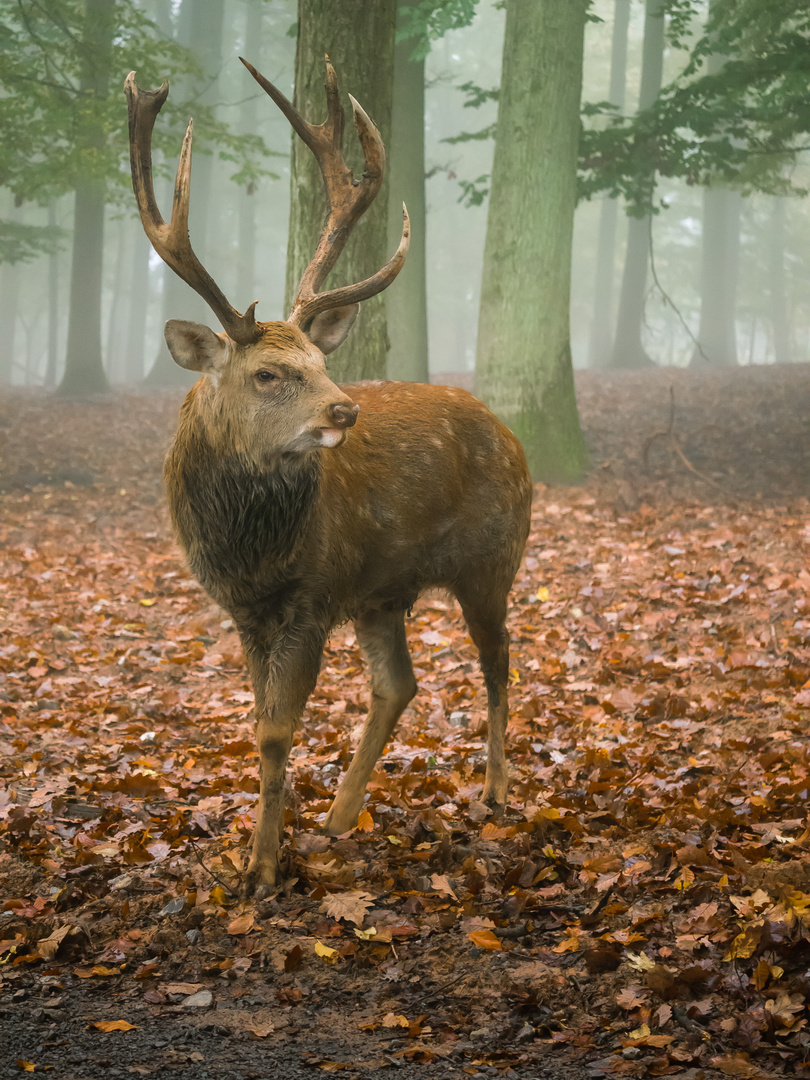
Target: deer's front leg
point(283, 679)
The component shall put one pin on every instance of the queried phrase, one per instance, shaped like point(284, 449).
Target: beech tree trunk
point(358, 37)
point(406, 300)
point(628, 351)
point(84, 367)
point(524, 371)
point(601, 335)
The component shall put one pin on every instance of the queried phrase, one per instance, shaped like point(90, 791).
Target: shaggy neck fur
point(236, 520)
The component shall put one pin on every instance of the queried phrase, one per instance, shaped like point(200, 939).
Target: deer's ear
point(196, 347)
point(331, 328)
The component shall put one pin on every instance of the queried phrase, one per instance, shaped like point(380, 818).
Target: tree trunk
point(246, 267)
point(628, 352)
point(720, 247)
point(523, 369)
point(138, 305)
point(200, 28)
point(84, 367)
point(406, 301)
point(719, 261)
point(359, 39)
point(779, 306)
point(9, 297)
point(601, 323)
point(52, 360)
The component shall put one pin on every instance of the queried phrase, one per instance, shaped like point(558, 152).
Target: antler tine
point(171, 241)
point(348, 199)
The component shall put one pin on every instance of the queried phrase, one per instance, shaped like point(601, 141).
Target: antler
point(348, 199)
point(171, 241)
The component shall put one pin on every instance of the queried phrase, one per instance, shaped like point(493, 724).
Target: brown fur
point(427, 490)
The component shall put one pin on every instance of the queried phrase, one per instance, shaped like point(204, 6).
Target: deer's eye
point(266, 376)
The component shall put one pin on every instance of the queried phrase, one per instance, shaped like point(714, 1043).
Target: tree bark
point(523, 369)
point(138, 305)
point(601, 323)
point(779, 306)
point(628, 351)
point(719, 261)
point(200, 28)
point(84, 368)
point(406, 301)
point(52, 360)
point(358, 37)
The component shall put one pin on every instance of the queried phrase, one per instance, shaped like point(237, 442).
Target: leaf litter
point(643, 907)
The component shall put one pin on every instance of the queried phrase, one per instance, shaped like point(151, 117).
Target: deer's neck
point(241, 525)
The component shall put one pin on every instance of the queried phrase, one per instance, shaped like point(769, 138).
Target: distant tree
point(84, 367)
point(406, 304)
point(359, 39)
point(601, 333)
point(628, 351)
point(62, 129)
point(523, 368)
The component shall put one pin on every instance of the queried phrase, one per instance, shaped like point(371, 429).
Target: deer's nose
point(342, 415)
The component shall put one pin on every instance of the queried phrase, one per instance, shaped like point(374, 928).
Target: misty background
point(240, 229)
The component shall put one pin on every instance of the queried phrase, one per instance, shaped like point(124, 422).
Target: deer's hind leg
point(485, 614)
point(381, 635)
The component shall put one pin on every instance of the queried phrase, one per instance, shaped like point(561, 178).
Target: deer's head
point(266, 382)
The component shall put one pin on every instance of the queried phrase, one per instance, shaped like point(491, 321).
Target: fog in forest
point(754, 277)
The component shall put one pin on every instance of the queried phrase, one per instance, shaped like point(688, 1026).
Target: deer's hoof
point(260, 880)
point(336, 823)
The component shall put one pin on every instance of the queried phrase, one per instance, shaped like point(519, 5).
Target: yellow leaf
point(26, 1066)
point(395, 1020)
point(484, 939)
point(366, 935)
point(395, 840)
point(218, 895)
point(365, 823)
point(541, 594)
point(571, 944)
point(148, 603)
point(640, 961)
point(329, 955)
point(640, 1032)
point(114, 1025)
point(550, 813)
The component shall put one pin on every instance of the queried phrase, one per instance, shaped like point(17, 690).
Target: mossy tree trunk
point(358, 38)
point(523, 367)
point(406, 301)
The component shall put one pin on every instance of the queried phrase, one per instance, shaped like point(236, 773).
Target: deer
point(302, 505)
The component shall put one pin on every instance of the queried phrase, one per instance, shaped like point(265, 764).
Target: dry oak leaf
point(31, 1066)
point(440, 883)
point(48, 946)
point(260, 1028)
point(484, 939)
point(365, 822)
point(114, 1025)
point(349, 906)
point(242, 924)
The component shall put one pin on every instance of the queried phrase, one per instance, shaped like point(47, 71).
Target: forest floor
point(643, 908)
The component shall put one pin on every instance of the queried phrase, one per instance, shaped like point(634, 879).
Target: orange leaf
point(243, 923)
point(484, 939)
point(114, 1025)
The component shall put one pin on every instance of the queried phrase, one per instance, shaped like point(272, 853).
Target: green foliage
point(63, 115)
point(428, 20)
point(18, 242)
point(741, 125)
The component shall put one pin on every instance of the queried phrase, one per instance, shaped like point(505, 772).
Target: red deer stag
point(301, 504)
